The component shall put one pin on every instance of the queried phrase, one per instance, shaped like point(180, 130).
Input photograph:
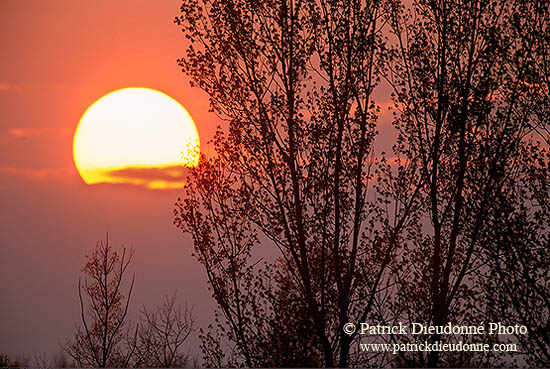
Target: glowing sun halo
point(136, 135)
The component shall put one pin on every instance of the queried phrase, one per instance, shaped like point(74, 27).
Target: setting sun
point(137, 136)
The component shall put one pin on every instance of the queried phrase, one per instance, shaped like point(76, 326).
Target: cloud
point(170, 177)
point(24, 133)
point(9, 87)
point(160, 178)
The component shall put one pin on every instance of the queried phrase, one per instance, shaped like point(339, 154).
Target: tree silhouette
point(520, 268)
point(57, 360)
point(101, 341)
point(460, 71)
point(161, 335)
point(347, 235)
point(293, 81)
point(7, 362)
point(106, 339)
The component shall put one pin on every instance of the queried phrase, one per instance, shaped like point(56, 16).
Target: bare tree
point(58, 360)
point(6, 362)
point(161, 335)
point(100, 342)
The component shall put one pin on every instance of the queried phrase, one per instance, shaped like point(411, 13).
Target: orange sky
point(58, 57)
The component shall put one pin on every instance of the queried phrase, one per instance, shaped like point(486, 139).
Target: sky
point(58, 57)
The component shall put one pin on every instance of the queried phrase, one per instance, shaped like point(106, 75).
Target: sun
point(138, 136)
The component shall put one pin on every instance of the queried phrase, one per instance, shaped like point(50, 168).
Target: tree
point(6, 362)
point(520, 268)
point(101, 341)
point(346, 234)
point(459, 71)
point(161, 335)
point(58, 360)
point(293, 82)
